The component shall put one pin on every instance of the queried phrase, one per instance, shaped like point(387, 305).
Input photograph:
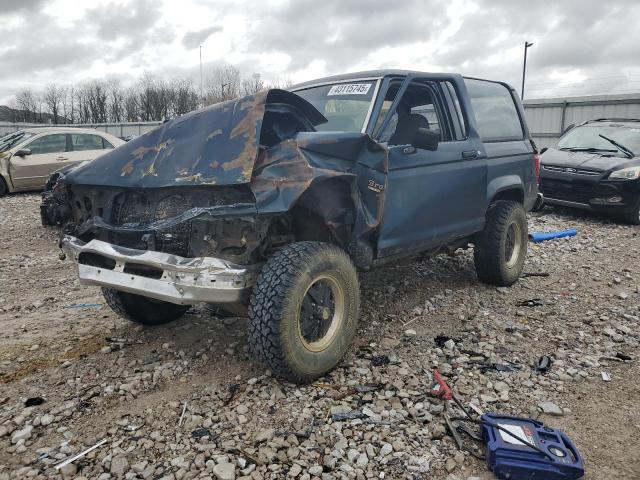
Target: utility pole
point(524, 67)
point(201, 88)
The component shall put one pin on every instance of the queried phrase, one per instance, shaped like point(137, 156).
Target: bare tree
point(152, 98)
point(27, 103)
point(116, 101)
point(52, 98)
point(223, 84)
point(252, 85)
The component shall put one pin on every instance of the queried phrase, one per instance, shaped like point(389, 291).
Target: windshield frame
point(374, 96)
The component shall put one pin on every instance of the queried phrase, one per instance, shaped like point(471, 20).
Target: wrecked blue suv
point(267, 204)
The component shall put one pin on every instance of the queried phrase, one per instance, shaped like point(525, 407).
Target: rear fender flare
point(508, 187)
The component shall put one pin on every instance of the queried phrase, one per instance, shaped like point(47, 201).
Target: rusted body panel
point(223, 178)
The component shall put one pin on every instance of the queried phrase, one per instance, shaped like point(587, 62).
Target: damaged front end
point(188, 212)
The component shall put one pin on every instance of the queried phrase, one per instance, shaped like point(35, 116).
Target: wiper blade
point(588, 149)
point(621, 147)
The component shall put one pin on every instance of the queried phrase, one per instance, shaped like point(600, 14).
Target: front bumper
point(159, 275)
point(579, 191)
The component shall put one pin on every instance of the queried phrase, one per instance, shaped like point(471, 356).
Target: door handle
point(62, 158)
point(470, 154)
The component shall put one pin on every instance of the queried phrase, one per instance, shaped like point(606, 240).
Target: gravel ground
point(185, 401)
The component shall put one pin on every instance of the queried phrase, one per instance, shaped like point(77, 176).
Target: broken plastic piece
point(352, 415)
point(379, 360)
point(606, 376)
point(33, 401)
point(544, 364)
point(534, 302)
point(80, 455)
point(538, 237)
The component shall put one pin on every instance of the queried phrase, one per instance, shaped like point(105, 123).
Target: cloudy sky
point(580, 46)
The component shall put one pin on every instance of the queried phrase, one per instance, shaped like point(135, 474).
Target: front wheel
point(3, 187)
point(143, 310)
point(632, 217)
point(304, 310)
point(501, 248)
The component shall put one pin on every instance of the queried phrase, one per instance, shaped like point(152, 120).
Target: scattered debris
point(534, 302)
point(606, 376)
point(379, 360)
point(543, 364)
point(538, 237)
point(80, 455)
point(352, 415)
point(184, 409)
point(534, 274)
point(623, 356)
point(33, 401)
point(201, 432)
point(497, 367)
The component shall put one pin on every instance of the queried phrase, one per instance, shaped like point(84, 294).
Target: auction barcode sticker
point(349, 89)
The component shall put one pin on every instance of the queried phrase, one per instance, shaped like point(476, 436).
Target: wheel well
point(325, 213)
point(514, 194)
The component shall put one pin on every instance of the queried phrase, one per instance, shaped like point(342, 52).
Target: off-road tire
point(143, 310)
point(492, 246)
point(3, 187)
point(633, 216)
point(275, 310)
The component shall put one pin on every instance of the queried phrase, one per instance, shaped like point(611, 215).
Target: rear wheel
point(3, 187)
point(304, 310)
point(143, 310)
point(501, 248)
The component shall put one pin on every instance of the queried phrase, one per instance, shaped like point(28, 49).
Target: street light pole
point(201, 91)
point(524, 67)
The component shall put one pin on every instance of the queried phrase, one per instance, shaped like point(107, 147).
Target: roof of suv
point(361, 76)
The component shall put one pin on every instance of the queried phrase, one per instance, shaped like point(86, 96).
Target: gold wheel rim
point(335, 317)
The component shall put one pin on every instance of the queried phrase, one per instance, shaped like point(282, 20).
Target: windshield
point(12, 139)
point(588, 137)
point(345, 105)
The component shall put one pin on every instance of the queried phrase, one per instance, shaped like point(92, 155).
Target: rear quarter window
point(496, 115)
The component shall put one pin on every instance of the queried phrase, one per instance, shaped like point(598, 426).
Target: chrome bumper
point(168, 277)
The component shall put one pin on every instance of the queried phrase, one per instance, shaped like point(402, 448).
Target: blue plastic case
point(513, 460)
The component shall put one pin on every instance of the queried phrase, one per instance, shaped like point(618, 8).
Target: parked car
point(28, 157)
point(272, 201)
point(596, 166)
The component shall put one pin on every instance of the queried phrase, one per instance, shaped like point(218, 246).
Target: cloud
point(13, 6)
point(343, 33)
point(197, 37)
point(579, 45)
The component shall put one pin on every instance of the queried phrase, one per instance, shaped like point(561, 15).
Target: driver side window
point(416, 120)
point(48, 144)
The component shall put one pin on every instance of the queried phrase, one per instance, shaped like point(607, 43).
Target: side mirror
point(567, 129)
point(23, 152)
point(426, 139)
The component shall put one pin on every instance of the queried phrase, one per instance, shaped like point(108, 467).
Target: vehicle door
point(87, 146)
point(436, 182)
point(47, 153)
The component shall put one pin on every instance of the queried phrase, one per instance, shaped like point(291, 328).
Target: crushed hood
point(217, 145)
